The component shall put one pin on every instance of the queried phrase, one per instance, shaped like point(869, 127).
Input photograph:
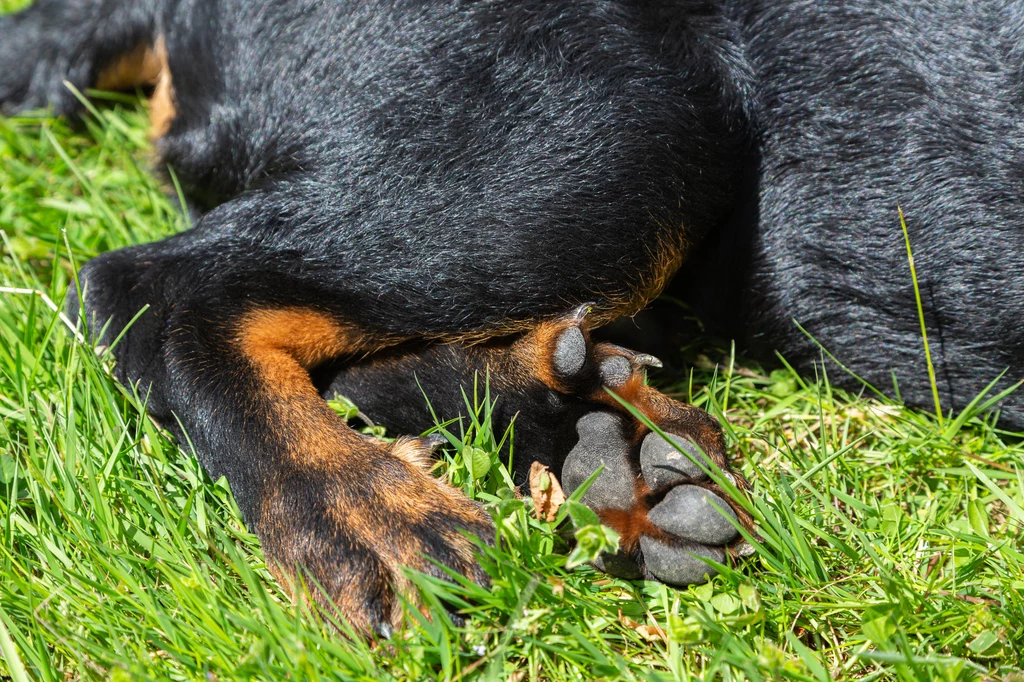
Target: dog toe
point(695, 514)
point(601, 443)
point(679, 566)
point(664, 465)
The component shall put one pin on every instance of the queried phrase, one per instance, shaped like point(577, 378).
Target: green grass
point(892, 544)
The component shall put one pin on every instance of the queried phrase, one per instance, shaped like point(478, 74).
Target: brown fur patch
point(531, 358)
point(161, 105)
point(413, 451)
point(282, 345)
point(140, 67)
point(305, 337)
point(630, 524)
point(145, 66)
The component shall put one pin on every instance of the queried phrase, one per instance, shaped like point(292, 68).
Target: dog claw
point(743, 549)
point(433, 441)
point(641, 360)
point(580, 312)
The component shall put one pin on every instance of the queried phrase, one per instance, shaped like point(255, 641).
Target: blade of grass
point(920, 316)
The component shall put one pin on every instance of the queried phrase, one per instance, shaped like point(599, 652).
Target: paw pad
point(663, 465)
point(570, 352)
point(616, 371)
point(619, 564)
point(601, 443)
point(690, 512)
point(673, 523)
point(652, 489)
point(679, 566)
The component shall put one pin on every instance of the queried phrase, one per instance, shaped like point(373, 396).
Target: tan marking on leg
point(161, 105)
point(282, 345)
point(530, 359)
point(284, 340)
point(413, 451)
point(140, 67)
point(145, 66)
point(534, 354)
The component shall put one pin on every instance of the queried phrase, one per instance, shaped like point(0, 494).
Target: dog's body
point(399, 181)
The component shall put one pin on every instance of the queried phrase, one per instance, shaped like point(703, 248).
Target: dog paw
point(347, 534)
point(655, 492)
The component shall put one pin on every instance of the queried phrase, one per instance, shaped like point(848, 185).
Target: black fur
point(917, 104)
point(416, 172)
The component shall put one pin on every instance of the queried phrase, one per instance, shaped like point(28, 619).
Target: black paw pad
point(615, 371)
point(696, 514)
point(663, 465)
point(601, 442)
point(690, 522)
point(679, 566)
point(570, 352)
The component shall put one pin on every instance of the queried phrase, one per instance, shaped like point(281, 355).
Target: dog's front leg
point(225, 350)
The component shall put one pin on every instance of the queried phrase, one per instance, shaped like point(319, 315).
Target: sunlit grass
point(892, 547)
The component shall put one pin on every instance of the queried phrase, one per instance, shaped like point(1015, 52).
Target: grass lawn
point(892, 539)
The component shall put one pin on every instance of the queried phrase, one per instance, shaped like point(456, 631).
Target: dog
point(390, 194)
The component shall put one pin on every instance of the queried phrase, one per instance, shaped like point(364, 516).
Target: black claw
point(579, 313)
point(744, 549)
point(434, 441)
point(641, 360)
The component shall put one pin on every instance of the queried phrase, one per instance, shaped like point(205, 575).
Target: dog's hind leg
point(110, 44)
point(453, 203)
point(553, 381)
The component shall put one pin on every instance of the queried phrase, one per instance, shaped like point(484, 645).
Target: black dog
point(388, 191)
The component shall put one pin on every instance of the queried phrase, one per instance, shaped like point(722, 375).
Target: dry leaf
point(648, 632)
point(546, 491)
